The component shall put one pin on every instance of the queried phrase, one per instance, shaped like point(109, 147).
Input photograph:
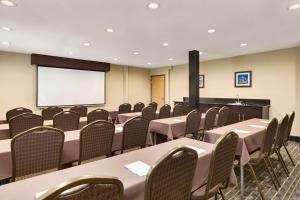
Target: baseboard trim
point(295, 138)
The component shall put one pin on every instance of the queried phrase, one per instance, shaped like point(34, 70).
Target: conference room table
point(173, 127)
point(250, 134)
point(122, 118)
point(70, 150)
point(134, 185)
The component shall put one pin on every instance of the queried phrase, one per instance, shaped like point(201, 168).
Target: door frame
point(164, 86)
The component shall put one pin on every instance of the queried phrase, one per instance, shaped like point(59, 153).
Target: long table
point(70, 150)
point(134, 185)
point(250, 134)
point(2, 120)
point(122, 118)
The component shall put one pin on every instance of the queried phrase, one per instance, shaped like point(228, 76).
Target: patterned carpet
point(290, 186)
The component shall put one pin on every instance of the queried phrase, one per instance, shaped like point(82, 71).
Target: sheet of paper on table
point(39, 194)
point(198, 150)
point(240, 131)
point(257, 126)
point(119, 129)
point(265, 121)
point(140, 168)
point(178, 120)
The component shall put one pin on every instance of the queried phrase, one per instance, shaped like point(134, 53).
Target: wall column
point(193, 80)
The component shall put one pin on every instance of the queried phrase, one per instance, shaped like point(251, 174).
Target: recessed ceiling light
point(153, 5)
point(5, 43)
point(4, 28)
point(116, 59)
point(8, 3)
point(243, 44)
point(170, 59)
point(148, 63)
point(200, 52)
point(165, 44)
point(70, 53)
point(87, 44)
point(211, 31)
point(110, 30)
point(136, 53)
point(294, 7)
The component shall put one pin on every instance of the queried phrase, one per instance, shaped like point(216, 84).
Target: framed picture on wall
point(243, 79)
point(201, 81)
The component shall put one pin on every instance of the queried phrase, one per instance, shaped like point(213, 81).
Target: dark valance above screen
point(69, 63)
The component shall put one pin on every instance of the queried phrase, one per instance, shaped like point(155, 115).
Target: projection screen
point(66, 87)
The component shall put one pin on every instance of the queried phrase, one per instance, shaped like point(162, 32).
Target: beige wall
point(18, 84)
point(274, 77)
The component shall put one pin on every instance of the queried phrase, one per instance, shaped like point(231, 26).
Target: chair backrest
point(96, 140)
point(164, 111)
point(81, 110)
point(290, 125)
point(178, 110)
point(193, 120)
point(125, 108)
point(50, 112)
point(138, 107)
point(269, 136)
point(98, 114)
point(86, 188)
point(36, 150)
point(16, 111)
point(223, 116)
point(172, 176)
point(66, 121)
point(281, 132)
point(221, 163)
point(149, 113)
point(153, 104)
point(210, 118)
point(24, 122)
point(135, 133)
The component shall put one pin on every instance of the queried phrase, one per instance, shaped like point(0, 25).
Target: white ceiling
point(56, 27)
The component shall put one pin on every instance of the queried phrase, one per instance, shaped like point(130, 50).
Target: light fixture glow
point(294, 7)
point(170, 59)
point(87, 44)
point(165, 44)
point(136, 53)
point(4, 28)
point(211, 31)
point(110, 30)
point(5, 43)
point(70, 53)
point(153, 5)
point(200, 52)
point(116, 59)
point(8, 3)
point(243, 44)
point(148, 63)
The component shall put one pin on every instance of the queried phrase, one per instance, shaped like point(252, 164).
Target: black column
point(193, 80)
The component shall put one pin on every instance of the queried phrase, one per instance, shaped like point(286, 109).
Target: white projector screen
point(66, 87)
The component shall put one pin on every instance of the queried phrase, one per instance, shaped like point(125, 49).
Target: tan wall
point(274, 77)
point(18, 84)
point(297, 101)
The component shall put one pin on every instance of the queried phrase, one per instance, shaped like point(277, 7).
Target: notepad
point(198, 150)
point(139, 168)
point(256, 126)
point(240, 131)
point(266, 122)
point(178, 120)
point(39, 194)
point(119, 129)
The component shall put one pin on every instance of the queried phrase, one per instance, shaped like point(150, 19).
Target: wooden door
point(158, 90)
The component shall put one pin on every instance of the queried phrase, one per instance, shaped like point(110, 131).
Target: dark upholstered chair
point(98, 114)
point(24, 122)
point(193, 120)
point(209, 122)
point(138, 107)
point(96, 140)
point(35, 151)
point(87, 188)
point(81, 110)
point(221, 166)
point(48, 113)
point(223, 116)
point(149, 113)
point(154, 105)
point(164, 112)
point(172, 176)
point(16, 111)
point(263, 156)
point(125, 108)
point(66, 121)
point(288, 133)
point(178, 110)
point(135, 133)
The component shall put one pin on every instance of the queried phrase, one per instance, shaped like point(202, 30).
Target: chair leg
point(222, 195)
point(270, 174)
point(272, 169)
point(288, 153)
point(282, 162)
point(257, 182)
